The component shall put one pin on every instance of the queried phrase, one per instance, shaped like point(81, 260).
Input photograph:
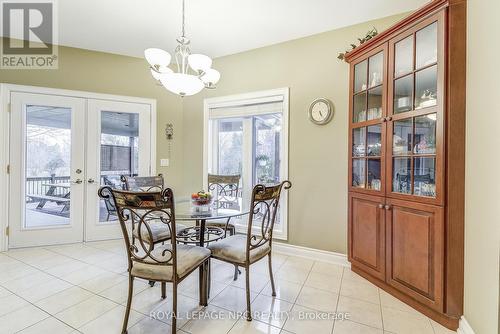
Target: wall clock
point(321, 111)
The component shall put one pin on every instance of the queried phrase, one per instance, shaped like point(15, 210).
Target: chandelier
point(194, 71)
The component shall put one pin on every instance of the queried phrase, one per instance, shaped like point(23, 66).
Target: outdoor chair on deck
point(164, 263)
point(244, 250)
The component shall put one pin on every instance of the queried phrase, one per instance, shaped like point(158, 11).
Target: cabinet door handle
point(387, 207)
point(381, 206)
point(384, 119)
point(389, 119)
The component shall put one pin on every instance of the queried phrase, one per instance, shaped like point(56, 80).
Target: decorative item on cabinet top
point(369, 35)
point(321, 111)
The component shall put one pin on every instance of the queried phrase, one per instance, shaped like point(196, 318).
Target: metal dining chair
point(159, 232)
point(244, 250)
point(225, 189)
point(166, 263)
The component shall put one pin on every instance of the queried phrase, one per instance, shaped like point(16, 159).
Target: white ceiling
point(215, 27)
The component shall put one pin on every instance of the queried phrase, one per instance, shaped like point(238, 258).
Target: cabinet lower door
point(415, 250)
point(367, 234)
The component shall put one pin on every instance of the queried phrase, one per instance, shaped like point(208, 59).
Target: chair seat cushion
point(233, 249)
point(221, 225)
point(159, 230)
point(188, 258)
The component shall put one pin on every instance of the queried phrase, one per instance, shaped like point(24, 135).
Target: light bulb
point(158, 58)
point(199, 62)
point(211, 76)
point(182, 84)
point(157, 75)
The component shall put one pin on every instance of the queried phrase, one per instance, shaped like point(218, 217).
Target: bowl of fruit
point(201, 198)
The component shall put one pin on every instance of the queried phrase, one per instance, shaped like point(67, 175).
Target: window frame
point(267, 96)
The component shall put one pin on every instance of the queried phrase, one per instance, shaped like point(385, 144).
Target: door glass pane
point(401, 137)
point(48, 165)
point(375, 103)
point(404, 56)
point(374, 137)
point(425, 134)
point(360, 71)
point(267, 129)
point(374, 181)
point(401, 178)
point(119, 154)
point(403, 89)
point(426, 46)
point(230, 146)
point(376, 66)
point(358, 142)
point(426, 88)
point(359, 112)
point(358, 173)
point(424, 176)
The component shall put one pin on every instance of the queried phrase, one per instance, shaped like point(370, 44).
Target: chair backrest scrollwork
point(225, 189)
point(142, 209)
point(143, 183)
point(224, 185)
point(263, 211)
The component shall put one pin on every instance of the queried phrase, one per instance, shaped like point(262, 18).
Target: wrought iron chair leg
point(271, 275)
point(163, 290)
point(174, 308)
point(249, 312)
point(209, 277)
point(152, 283)
point(129, 303)
point(236, 272)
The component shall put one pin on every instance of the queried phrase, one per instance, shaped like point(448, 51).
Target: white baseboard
point(311, 253)
point(464, 327)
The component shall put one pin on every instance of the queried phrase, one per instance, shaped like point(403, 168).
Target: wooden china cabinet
point(406, 162)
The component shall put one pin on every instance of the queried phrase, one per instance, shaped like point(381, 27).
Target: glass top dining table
point(221, 209)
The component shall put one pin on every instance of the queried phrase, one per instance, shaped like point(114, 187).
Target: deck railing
point(38, 185)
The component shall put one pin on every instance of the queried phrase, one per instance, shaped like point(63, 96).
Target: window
point(248, 135)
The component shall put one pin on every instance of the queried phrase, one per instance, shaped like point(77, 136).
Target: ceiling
point(216, 27)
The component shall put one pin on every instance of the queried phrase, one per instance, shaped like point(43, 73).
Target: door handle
point(91, 180)
point(381, 206)
point(78, 181)
point(387, 207)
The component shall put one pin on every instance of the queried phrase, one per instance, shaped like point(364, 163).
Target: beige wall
point(482, 230)
point(318, 154)
point(112, 74)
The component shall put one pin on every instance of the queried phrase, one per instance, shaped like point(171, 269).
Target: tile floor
point(81, 288)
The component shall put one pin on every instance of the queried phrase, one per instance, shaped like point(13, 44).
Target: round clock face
point(320, 111)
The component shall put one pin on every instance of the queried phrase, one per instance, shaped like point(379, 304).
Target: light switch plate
point(164, 162)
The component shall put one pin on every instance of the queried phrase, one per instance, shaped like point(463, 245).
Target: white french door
point(61, 150)
point(46, 169)
point(118, 144)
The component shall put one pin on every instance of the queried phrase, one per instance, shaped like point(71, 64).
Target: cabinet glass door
point(415, 73)
point(367, 130)
point(415, 121)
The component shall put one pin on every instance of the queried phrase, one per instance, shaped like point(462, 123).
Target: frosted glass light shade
point(157, 58)
point(199, 62)
point(157, 75)
point(182, 84)
point(211, 76)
